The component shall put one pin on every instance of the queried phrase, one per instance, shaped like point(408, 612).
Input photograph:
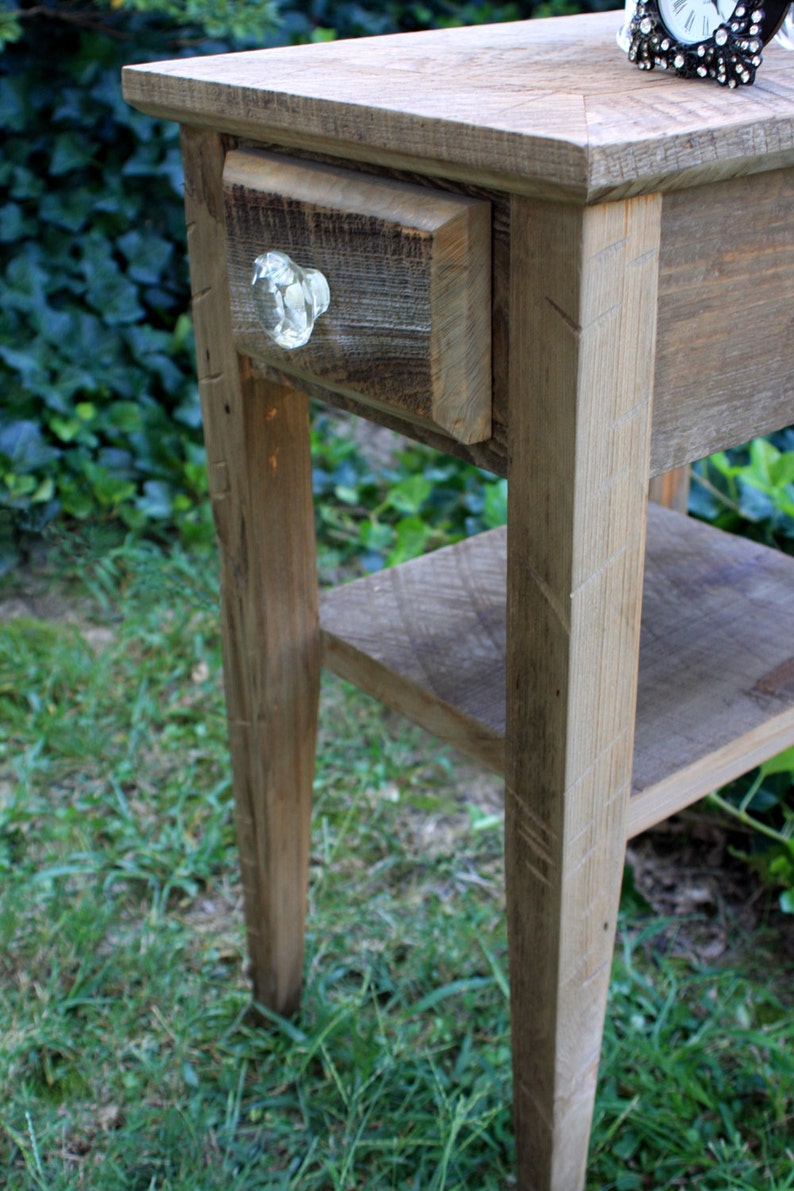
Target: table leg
point(257, 437)
point(671, 489)
point(583, 310)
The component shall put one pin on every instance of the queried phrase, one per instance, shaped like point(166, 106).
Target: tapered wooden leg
point(257, 437)
point(583, 303)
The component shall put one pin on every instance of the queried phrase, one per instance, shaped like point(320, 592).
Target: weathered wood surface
point(716, 690)
point(257, 437)
point(725, 354)
point(409, 270)
point(671, 490)
point(427, 638)
point(492, 453)
point(583, 293)
point(543, 107)
point(716, 676)
point(620, 181)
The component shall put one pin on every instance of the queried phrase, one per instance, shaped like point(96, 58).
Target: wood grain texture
point(725, 355)
point(540, 107)
point(409, 269)
point(584, 294)
point(716, 690)
point(427, 638)
point(716, 676)
point(641, 207)
point(671, 489)
point(491, 454)
point(257, 438)
point(724, 360)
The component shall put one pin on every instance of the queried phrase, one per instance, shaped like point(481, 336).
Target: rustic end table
point(576, 275)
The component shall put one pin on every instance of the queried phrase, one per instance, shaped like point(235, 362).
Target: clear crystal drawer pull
point(288, 300)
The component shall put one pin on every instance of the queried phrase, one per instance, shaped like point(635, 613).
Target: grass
point(129, 1057)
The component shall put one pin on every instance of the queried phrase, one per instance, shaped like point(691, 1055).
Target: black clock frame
point(730, 56)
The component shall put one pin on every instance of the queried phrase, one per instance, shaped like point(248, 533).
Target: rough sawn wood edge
point(566, 122)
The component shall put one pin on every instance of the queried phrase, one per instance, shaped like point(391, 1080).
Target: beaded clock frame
point(730, 56)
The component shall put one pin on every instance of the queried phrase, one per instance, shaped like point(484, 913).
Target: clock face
point(716, 39)
point(689, 21)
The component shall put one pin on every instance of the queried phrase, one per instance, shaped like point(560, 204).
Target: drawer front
point(408, 270)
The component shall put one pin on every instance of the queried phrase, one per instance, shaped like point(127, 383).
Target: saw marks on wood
point(716, 685)
point(544, 107)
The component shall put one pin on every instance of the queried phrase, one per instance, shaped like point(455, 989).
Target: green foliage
point(750, 490)
point(10, 26)
point(374, 516)
point(129, 1058)
point(235, 19)
point(321, 20)
point(682, 1031)
point(100, 415)
point(763, 802)
point(100, 418)
point(100, 409)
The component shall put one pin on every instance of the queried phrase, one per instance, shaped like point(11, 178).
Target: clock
point(716, 39)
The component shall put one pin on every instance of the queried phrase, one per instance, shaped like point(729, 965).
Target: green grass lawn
point(129, 1057)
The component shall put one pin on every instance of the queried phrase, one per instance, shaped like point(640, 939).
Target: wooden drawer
point(408, 327)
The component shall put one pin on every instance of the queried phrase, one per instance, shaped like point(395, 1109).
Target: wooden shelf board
point(716, 684)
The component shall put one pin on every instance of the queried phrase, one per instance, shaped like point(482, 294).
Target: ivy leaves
point(750, 489)
point(99, 413)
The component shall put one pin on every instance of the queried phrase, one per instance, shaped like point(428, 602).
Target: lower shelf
point(716, 681)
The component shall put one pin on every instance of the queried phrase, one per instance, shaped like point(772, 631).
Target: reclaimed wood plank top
point(540, 107)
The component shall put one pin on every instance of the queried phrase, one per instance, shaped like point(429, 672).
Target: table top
point(538, 107)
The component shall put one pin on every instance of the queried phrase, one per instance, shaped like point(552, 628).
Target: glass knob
point(288, 300)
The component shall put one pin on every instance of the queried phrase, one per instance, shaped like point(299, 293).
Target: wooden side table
point(572, 274)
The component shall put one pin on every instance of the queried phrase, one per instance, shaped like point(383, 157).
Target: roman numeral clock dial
point(694, 20)
point(707, 39)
